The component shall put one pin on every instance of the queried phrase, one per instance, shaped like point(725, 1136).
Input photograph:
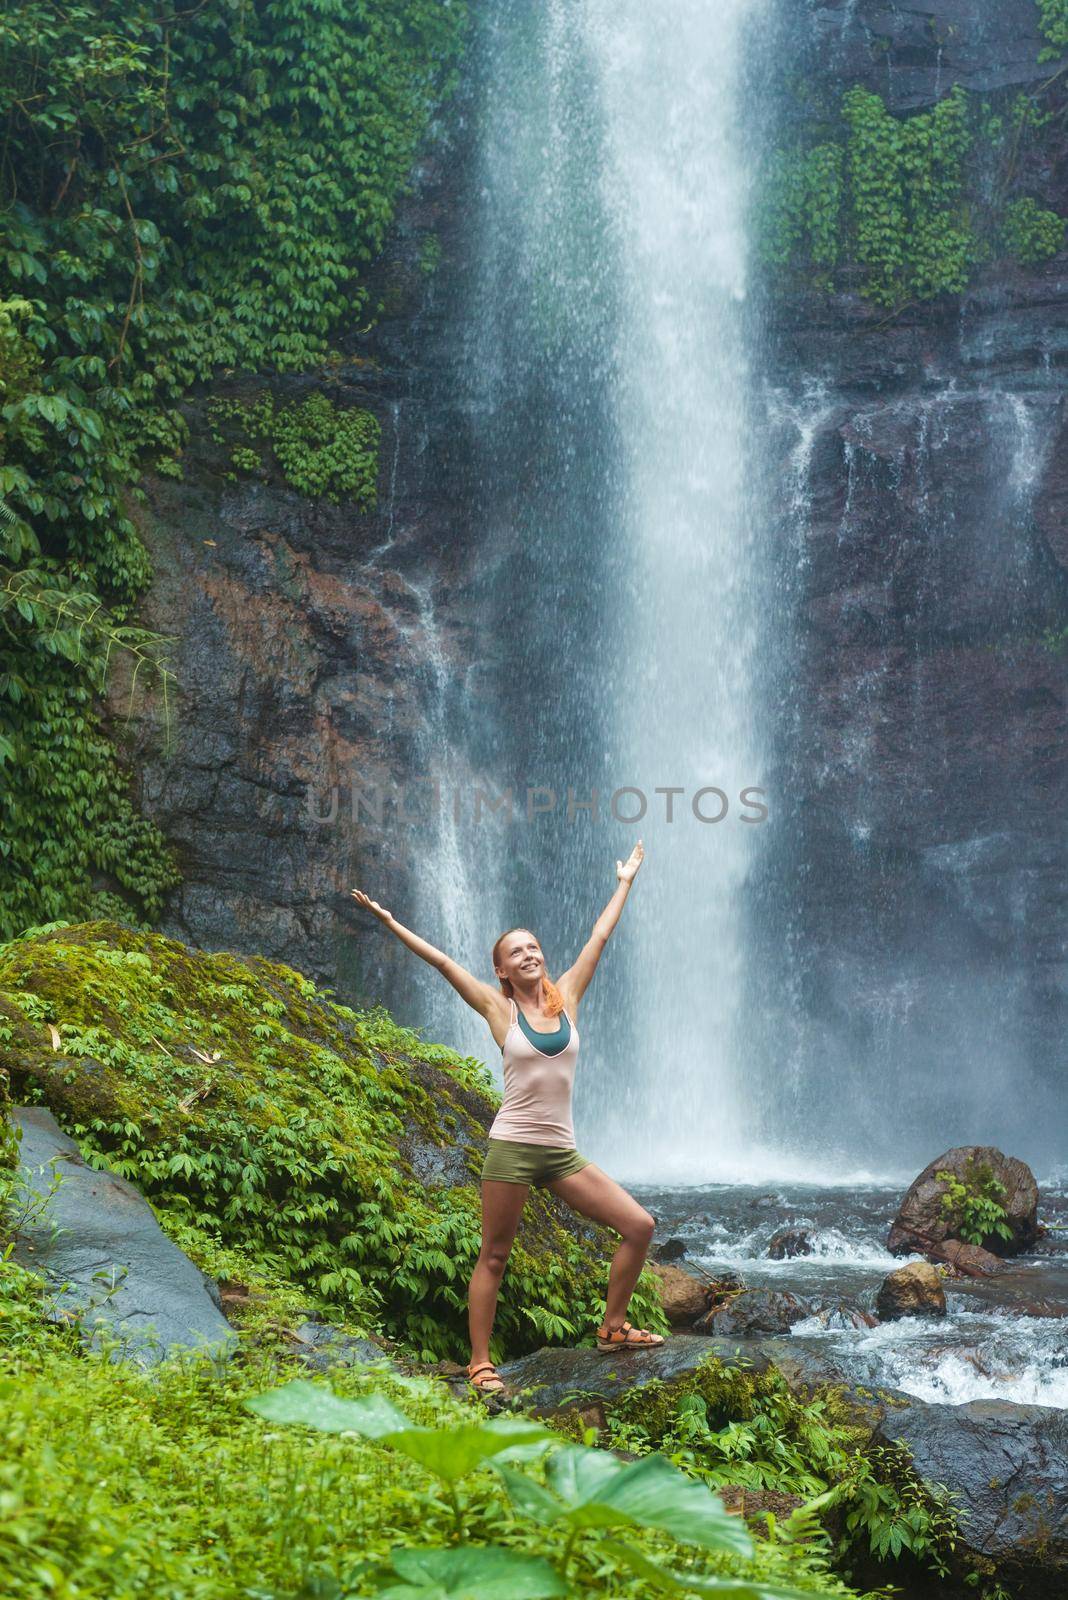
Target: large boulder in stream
point(756, 1312)
point(924, 1221)
point(1008, 1464)
point(685, 1296)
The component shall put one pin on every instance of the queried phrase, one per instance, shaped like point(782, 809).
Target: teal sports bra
point(549, 1044)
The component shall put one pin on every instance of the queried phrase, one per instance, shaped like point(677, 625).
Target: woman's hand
point(372, 905)
point(626, 870)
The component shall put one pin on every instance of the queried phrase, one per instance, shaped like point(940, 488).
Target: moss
point(328, 1147)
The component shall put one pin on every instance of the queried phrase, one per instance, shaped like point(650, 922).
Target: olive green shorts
point(507, 1161)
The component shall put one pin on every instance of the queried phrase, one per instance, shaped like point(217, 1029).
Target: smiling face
point(519, 959)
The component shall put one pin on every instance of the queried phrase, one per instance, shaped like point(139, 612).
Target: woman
point(532, 1140)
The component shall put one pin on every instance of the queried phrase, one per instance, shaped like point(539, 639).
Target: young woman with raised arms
point(532, 1141)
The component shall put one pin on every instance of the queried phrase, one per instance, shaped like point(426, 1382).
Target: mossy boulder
point(327, 1147)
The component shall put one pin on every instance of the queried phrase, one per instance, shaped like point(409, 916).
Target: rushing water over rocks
point(1002, 1338)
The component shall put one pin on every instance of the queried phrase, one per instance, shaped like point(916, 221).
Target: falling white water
point(609, 385)
point(674, 189)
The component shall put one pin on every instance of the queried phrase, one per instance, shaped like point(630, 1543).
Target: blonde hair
point(552, 999)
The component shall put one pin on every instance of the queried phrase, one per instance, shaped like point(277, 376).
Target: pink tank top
point(536, 1108)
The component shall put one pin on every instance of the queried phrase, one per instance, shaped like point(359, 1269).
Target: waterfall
point(613, 483)
point(716, 565)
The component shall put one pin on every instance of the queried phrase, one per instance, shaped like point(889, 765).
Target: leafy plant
point(1053, 20)
point(972, 1201)
point(1030, 232)
point(183, 191)
point(911, 204)
point(319, 448)
point(733, 1425)
point(585, 1490)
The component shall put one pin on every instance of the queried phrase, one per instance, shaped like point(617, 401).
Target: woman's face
point(520, 959)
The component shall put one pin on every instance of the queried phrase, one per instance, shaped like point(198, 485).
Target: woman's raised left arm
point(574, 982)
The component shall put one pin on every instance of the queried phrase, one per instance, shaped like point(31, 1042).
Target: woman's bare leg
point(502, 1207)
point(597, 1196)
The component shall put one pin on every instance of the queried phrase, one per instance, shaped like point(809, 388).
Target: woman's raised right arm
point(481, 997)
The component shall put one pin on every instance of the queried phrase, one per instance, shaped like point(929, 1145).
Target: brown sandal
point(493, 1384)
point(627, 1338)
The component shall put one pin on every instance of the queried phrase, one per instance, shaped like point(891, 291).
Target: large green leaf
point(598, 1491)
point(689, 1583)
point(471, 1572)
point(579, 1475)
point(450, 1453)
point(301, 1401)
point(529, 1498)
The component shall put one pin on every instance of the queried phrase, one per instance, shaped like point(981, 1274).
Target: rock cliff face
point(313, 641)
point(919, 485)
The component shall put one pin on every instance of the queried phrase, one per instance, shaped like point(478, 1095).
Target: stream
point(1001, 1338)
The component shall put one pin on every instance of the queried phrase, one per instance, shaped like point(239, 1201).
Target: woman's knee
point(640, 1228)
point(494, 1257)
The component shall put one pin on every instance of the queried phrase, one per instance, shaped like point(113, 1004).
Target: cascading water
point(657, 612)
point(609, 375)
point(902, 990)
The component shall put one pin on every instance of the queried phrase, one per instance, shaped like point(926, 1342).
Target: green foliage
point(733, 1425)
point(182, 190)
point(910, 225)
point(1053, 20)
point(912, 204)
point(117, 1482)
point(320, 449)
point(1030, 233)
point(972, 1203)
point(585, 1491)
point(260, 1117)
point(801, 206)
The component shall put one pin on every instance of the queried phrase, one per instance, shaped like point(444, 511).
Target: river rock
point(671, 1250)
point(921, 1221)
point(912, 1291)
point(685, 1297)
point(110, 1265)
point(320, 1346)
point(790, 1242)
point(1009, 1465)
point(757, 1311)
point(967, 1260)
point(555, 1377)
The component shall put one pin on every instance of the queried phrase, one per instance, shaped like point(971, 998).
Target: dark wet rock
point(109, 1262)
point(685, 1296)
point(319, 1347)
point(912, 1291)
point(757, 1311)
point(670, 1250)
point(837, 1315)
point(923, 1222)
point(966, 1260)
point(790, 1242)
point(1009, 1464)
point(555, 1377)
